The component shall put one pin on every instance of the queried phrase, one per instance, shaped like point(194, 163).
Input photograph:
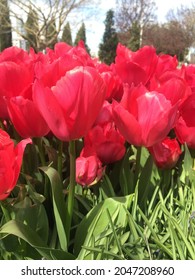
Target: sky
point(95, 27)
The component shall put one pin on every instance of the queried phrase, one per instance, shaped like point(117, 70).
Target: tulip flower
point(88, 170)
point(70, 108)
point(135, 67)
point(107, 142)
point(185, 126)
point(10, 163)
point(16, 80)
point(26, 118)
point(144, 118)
point(166, 153)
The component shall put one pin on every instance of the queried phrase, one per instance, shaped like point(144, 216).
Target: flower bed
point(97, 161)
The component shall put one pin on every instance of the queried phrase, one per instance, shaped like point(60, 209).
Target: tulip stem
point(70, 202)
point(41, 150)
point(137, 165)
point(60, 153)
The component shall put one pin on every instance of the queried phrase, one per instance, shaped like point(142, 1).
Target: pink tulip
point(88, 170)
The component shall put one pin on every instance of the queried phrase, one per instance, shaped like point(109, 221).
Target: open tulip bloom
point(112, 150)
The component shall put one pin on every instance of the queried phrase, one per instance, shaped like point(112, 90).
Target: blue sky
point(95, 28)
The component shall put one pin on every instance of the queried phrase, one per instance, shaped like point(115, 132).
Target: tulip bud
point(166, 153)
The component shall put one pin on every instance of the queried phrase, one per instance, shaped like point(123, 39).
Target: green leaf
point(58, 204)
point(31, 237)
point(24, 232)
point(145, 179)
point(97, 221)
point(126, 177)
point(106, 187)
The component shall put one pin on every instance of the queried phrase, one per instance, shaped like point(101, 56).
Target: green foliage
point(66, 34)
point(136, 212)
point(5, 26)
point(81, 35)
point(107, 49)
point(134, 41)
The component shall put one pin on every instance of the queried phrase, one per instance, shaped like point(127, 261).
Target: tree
point(81, 35)
point(107, 49)
point(32, 28)
point(174, 37)
point(66, 35)
point(132, 17)
point(168, 38)
point(5, 26)
point(51, 34)
point(185, 16)
point(46, 11)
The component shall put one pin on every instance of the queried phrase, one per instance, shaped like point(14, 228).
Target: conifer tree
point(66, 34)
point(107, 49)
point(32, 29)
point(81, 35)
point(5, 26)
point(51, 34)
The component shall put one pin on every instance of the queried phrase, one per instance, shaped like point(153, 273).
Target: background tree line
point(133, 23)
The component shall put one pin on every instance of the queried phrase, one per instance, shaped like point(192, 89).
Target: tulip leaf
point(58, 204)
point(145, 179)
point(31, 237)
point(126, 176)
point(97, 221)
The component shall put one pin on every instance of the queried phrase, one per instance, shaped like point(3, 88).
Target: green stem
point(70, 202)
point(137, 165)
point(38, 141)
point(60, 152)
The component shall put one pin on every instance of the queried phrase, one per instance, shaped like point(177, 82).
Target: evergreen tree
point(134, 41)
point(32, 29)
point(5, 26)
point(81, 35)
point(66, 34)
point(51, 34)
point(107, 49)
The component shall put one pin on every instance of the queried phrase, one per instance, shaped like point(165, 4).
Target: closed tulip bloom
point(16, 80)
point(166, 153)
point(185, 126)
point(88, 170)
point(70, 108)
point(144, 118)
point(26, 118)
point(10, 163)
point(107, 142)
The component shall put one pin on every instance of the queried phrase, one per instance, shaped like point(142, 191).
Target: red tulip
point(70, 108)
point(185, 126)
point(16, 80)
point(107, 142)
point(166, 153)
point(10, 163)
point(26, 118)
point(174, 89)
point(144, 118)
point(135, 67)
point(165, 63)
point(88, 170)
point(105, 114)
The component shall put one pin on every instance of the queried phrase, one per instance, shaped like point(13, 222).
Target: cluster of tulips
point(143, 99)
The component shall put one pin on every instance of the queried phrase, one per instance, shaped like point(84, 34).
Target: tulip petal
point(51, 111)
point(127, 124)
